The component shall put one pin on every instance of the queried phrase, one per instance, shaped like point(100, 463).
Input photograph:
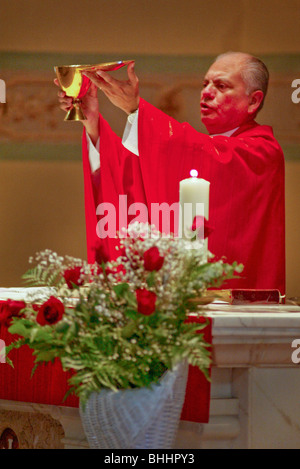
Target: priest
point(240, 158)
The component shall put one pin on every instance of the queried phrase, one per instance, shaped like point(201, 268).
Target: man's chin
point(211, 125)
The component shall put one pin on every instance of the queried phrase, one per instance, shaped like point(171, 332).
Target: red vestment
point(246, 175)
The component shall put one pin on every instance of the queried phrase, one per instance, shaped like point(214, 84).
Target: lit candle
point(194, 200)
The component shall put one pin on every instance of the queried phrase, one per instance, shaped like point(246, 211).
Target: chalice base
point(75, 113)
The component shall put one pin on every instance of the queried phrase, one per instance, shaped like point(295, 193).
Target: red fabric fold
point(48, 385)
point(196, 406)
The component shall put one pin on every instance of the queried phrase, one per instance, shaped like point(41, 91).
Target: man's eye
point(204, 84)
point(221, 86)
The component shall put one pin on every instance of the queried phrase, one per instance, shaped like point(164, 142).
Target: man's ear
point(255, 100)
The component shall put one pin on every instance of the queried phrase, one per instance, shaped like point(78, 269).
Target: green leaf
point(72, 331)
point(33, 369)
point(8, 360)
point(131, 313)
point(45, 355)
point(123, 292)
point(62, 327)
point(121, 289)
point(129, 329)
point(151, 279)
point(40, 334)
point(20, 328)
point(15, 345)
point(94, 318)
point(41, 276)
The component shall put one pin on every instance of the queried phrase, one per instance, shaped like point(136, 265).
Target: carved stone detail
point(32, 429)
point(8, 439)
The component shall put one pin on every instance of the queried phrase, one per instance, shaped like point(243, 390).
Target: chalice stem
point(75, 113)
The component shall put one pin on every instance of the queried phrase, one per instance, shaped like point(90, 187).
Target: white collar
point(225, 134)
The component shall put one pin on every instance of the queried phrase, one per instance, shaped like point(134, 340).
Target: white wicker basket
point(141, 418)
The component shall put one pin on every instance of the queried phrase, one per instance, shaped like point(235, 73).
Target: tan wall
point(41, 207)
point(150, 26)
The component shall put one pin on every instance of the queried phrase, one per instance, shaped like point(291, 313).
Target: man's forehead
point(226, 67)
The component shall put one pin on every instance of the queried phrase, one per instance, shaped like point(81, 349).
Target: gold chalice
point(75, 84)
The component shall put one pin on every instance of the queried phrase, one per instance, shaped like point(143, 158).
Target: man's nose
point(208, 92)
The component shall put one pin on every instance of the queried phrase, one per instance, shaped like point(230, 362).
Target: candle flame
point(194, 173)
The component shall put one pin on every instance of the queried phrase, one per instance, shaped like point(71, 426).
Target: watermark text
point(296, 353)
point(2, 351)
point(296, 93)
point(176, 218)
point(2, 91)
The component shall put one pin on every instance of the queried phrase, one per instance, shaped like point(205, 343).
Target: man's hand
point(90, 108)
point(122, 93)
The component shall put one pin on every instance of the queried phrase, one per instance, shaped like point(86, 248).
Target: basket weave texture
point(141, 418)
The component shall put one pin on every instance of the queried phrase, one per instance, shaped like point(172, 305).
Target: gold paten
point(75, 84)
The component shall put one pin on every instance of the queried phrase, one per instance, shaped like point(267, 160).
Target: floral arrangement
point(119, 324)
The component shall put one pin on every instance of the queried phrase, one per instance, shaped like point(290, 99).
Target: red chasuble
point(246, 175)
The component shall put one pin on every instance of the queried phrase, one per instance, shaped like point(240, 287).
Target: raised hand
point(122, 93)
point(90, 108)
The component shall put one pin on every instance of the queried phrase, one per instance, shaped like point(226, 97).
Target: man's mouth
point(206, 108)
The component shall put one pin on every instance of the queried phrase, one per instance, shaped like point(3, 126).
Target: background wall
point(173, 42)
point(150, 27)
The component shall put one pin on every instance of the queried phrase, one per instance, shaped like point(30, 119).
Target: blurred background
point(173, 42)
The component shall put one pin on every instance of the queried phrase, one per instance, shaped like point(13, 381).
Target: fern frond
point(39, 276)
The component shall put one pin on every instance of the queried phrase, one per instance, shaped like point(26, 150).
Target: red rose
point(101, 253)
point(200, 223)
point(146, 301)
point(9, 309)
point(152, 259)
point(73, 277)
point(50, 312)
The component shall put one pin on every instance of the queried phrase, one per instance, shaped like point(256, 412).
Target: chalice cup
point(76, 85)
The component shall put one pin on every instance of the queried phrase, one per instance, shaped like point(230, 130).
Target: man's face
point(224, 102)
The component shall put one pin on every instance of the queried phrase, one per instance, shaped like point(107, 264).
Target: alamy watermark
point(2, 91)
point(2, 351)
point(162, 215)
point(296, 353)
point(296, 94)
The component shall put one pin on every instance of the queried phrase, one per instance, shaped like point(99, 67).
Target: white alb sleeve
point(130, 135)
point(94, 153)
point(129, 140)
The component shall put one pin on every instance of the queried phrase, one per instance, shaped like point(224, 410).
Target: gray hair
point(254, 73)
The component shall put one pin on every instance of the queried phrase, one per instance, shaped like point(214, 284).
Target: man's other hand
point(122, 93)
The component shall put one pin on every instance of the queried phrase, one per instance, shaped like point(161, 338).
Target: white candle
point(194, 200)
